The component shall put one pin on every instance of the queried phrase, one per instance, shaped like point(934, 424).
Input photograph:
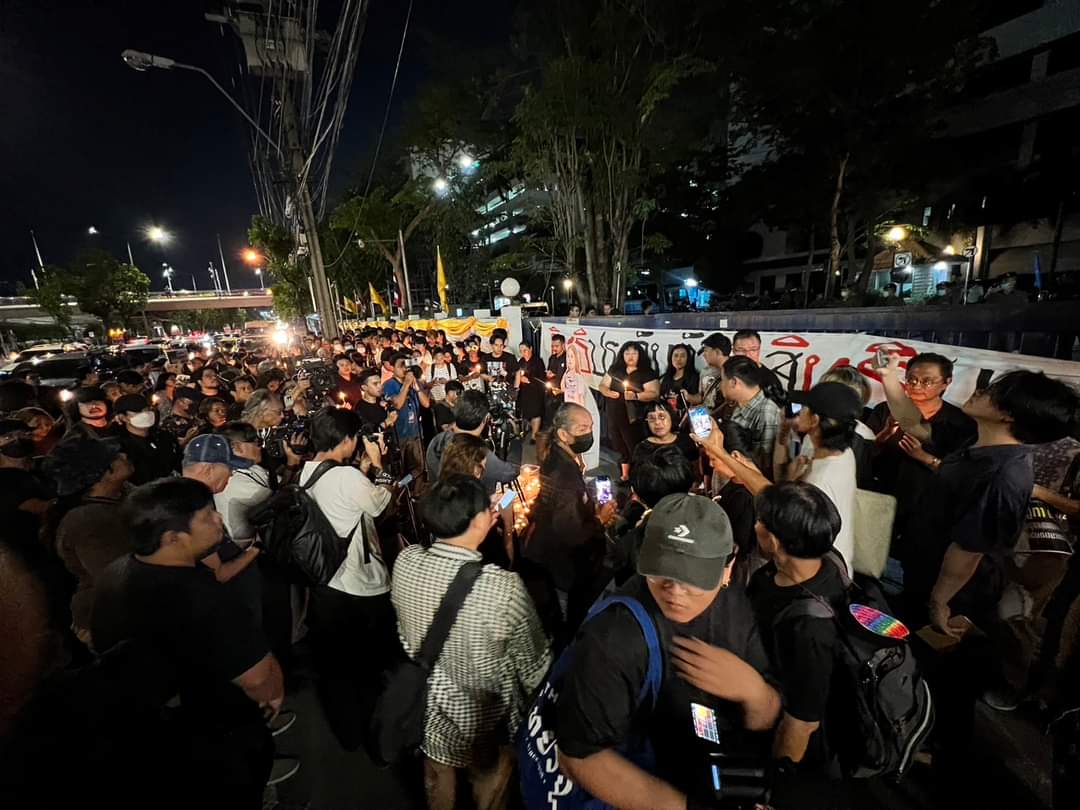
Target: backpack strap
point(655, 673)
point(323, 468)
point(433, 643)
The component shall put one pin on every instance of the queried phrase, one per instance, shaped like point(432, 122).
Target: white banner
point(799, 359)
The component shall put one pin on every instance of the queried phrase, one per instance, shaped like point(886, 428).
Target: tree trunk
point(588, 233)
point(809, 267)
point(868, 260)
point(602, 271)
point(849, 249)
point(1055, 243)
point(834, 227)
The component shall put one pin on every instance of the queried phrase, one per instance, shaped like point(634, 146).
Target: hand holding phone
point(506, 499)
point(603, 489)
point(700, 422)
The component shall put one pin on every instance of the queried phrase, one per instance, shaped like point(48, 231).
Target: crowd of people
point(665, 636)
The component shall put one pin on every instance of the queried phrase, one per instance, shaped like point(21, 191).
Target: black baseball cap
point(688, 538)
point(86, 394)
point(131, 403)
point(832, 399)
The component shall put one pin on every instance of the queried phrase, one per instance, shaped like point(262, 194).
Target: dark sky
point(85, 140)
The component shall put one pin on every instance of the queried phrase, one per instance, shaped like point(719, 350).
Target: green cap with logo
point(688, 538)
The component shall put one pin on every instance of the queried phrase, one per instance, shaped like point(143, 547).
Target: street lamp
point(158, 234)
point(92, 231)
point(137, 60)
point(440, 185)
point(896, 233)
point(567, 284)
point(167, 272)
point(690, 282)
point(258, 272)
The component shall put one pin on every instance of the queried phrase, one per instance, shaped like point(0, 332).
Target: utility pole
point(224, 268)
point(321, 287)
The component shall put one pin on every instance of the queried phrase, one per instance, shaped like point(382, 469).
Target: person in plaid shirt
point(494, 658)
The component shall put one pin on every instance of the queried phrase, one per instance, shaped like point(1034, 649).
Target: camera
point(293, 432)
point(322, 375)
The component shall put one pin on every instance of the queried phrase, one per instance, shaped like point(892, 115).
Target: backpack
point(880, 710)
point(543, 785)
point(297, 535)
point(397, 724)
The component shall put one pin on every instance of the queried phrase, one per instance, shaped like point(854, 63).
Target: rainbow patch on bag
point(881, 624)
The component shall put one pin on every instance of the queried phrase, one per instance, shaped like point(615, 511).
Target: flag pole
point(37, 251)
point(405, 267)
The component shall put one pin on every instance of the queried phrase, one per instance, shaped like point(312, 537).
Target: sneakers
point(282, 723)
point(283, 768)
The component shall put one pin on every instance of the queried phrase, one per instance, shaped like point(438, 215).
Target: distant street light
point(252, 256)
point(440, 185)
point(92, 230)
point(690, 282)
point(948, 250)
point(258, 272)
point(567, 284)
point(167, 272)
point(896, 233)
point(158, 234)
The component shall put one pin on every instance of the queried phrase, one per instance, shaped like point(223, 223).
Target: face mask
point(582, 444)
point(20, 448)
point(142, 420)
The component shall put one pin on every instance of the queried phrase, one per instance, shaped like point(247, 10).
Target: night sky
point(86, 140)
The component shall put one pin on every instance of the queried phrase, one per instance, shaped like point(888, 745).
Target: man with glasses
point(405, 396)
point(713, 698)
point(747, 343)
point(905, 465)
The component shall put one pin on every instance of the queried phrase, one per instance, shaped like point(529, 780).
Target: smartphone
point(880, 358)
point(603, 489)
point(792, 409)
point(700, 423)
point(507, 499)
point(404, 482)
point(705, 723)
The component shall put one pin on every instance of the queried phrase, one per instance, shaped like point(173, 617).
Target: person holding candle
point(629, 381)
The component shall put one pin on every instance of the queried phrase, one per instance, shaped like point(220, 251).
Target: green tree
point(288, 269)
point(823, 81)
point(113, 291)
point(53, 296)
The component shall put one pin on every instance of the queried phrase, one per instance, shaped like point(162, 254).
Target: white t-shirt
point(346, 496)
point(245, 489)
point(437, 376)
point(835, 476)
point(806, 444)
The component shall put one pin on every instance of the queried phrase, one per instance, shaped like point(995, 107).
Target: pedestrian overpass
point(22, 310)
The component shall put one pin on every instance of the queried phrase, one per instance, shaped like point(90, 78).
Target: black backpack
point(880, 708)
point(297, 535)
point(397, 724)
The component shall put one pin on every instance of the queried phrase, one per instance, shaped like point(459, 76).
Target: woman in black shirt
point(630, 380)
point(530, 387)
point(663, 432)
point(681, 375)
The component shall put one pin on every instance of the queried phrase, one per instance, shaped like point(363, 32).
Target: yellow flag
point(377, 299)
point(350, 305)
point(440, 280)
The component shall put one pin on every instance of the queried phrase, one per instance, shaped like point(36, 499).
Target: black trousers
point(354, 640)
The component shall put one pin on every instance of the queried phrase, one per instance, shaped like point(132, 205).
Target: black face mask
point(20, 448)
point(582, 444)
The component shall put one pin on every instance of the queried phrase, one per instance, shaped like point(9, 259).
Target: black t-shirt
point(557, 366)
point(737, 501)
point(502, 366)
point(351, 388)
point(897, 473)
point(444, 415)
point(670, 388)
point(801, 647)
point(646, 448)
point(370, 413)
point(16, 487)
point(205, 628)
point(978, 500)
point(154, 456)
point(619, 409)
point(598, 708)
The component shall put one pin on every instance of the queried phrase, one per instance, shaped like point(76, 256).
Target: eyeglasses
point(923, 382)
point(656, 418)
